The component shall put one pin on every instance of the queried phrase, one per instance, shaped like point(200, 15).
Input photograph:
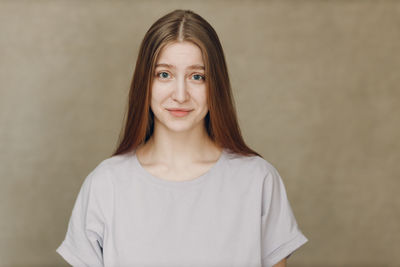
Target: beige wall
point(317, 90)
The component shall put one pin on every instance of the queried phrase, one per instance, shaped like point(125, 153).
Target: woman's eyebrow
point(195, 66)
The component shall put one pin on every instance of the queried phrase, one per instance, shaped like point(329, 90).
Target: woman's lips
point(178, 112)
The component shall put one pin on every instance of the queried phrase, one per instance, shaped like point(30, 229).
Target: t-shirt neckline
point(151, 178)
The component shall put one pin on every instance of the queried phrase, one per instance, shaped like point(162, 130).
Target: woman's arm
point(282, 263)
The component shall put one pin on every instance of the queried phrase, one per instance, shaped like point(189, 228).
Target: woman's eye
point(198, 77)
point(163, 75)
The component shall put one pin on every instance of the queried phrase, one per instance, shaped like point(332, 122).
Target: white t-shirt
point(235, 215)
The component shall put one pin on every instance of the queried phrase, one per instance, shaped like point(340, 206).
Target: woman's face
point(178, 83)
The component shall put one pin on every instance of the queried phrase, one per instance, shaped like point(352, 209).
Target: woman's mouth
point(178, 112)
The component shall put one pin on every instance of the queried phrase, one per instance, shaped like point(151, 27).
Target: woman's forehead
point(178, 54)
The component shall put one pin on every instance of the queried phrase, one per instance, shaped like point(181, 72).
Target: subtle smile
point(179, 112)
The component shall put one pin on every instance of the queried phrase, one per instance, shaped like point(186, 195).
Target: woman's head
point(179, 82)
point(220, 121)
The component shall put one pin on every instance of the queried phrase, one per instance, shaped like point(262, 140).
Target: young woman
point(182, 187)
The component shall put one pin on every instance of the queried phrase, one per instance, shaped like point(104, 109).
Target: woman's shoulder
point(116, 161)
point(253, 163)
point(113, 166)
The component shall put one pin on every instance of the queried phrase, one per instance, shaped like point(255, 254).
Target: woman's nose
point(180, 93)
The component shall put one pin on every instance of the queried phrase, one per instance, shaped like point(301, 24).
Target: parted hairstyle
point(221, 120)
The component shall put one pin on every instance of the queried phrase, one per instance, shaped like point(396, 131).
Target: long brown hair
point(221, 120)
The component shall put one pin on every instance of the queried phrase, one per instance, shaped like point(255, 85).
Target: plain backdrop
point(316, 87)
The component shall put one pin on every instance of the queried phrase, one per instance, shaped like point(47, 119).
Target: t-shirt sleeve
point(281, 235)
point(83, 243)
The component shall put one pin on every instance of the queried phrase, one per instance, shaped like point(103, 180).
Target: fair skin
point(180, 148)
point(282, 263)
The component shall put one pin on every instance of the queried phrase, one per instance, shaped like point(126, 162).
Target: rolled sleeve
point(83, 243)
point(281, 235)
